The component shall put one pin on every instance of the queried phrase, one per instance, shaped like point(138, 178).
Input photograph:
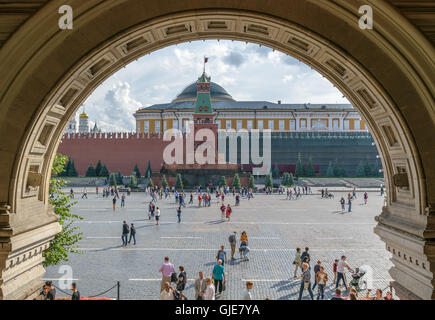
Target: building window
point(228, 124)
point(357, 124)
point(260, 124)
point(249, 124)
point(219, 123)
point(346, 124)
point(186, 125)
point(281, 125)
point(239, 124)
point(292, 125)
point(335, 124)
point(303, 123)
point(146, 126)
point(157, 126)
point(270, 125)
point(174, 124)
point(165, 125)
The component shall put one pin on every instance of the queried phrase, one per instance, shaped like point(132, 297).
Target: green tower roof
point(203, 102)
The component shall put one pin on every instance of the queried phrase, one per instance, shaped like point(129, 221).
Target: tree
point(72, 172)
point(251, 182)
point(343, 172)
point(150, 183)
point(98, 168)
point(65, 169)
point(179, 183)
point(148, 171)
point(112, 180)
point(222, 182)
point(91, 171)
point(136, 171)
point(330, 170)
point(360, 170)
point(119, 178)
point(309, 170)
point(336, 168)
point(236, 181)
point(299, 167)
point(64, 242)
point(133, 180)
point(268, 182)
point(284, 180)
point(164, 182)
point(104, 172)
point(367, 169)
point(290, 180)
point(376, 168)
point(275, 172)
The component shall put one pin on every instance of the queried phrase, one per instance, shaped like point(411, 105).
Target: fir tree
point(119, 178)
point(91, 171)
point(112, 180)
point(164, 182)
point(104, 172)
point(309, 170)
point(251, 182)
point(360, 170)
point(330, 170)
point(150, 183)
point(268, 182)
point(290, 181)
point(236, 181)
point(73, 172)
point(275, 172)
point(148, 171)
point(336, 168)
point(222, 182)
point(133, 180)
point(66, 169)
point(343, 172)
point(367, 169)
point(136, 171)
point(179, 183)
point(98, 168)
point(299, 167)
point(284, 180)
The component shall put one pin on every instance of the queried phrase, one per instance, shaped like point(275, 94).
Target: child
point(334, 269)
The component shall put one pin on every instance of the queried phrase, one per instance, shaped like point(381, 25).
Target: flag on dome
point(205, 59)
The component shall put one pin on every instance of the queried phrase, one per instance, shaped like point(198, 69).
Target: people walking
point(182, 279)
point(179, 214)
point(233, 241)
point(85, 193)
point(123, 200)
point(157, 215)
point(210, 290)
point(366, 196)
point(334, 270)
point(218, 276)
point(305, 256)
point(247, 293)
point(222, 255)
point(76, 294)
point(228, 212)
point(342, 203)
point(132, 234)
point(125, 231)
point(297, 261)
point(200, 286)
point(306, 282)
point(321, 279)
point(316, 270)
point(223, 209)
point(114, 203)
point(167, 292)
point(340, 271)
point(167, 269)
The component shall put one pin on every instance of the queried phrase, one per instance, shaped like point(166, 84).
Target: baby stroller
point(357, 281)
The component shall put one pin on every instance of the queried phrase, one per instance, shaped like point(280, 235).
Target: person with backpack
point(222, 255)
point(233, 241)
point(179, 214)
point(305, 256)
point(228, 212)
point(343, 203)
point(125, 231)
point(182, 279)
point(223, 209)
point(306, 281)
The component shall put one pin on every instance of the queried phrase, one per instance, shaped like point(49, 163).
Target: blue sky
point(246, 71)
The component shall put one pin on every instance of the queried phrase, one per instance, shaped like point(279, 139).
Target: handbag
point(174, 277)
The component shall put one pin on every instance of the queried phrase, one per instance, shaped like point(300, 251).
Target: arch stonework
point(385, 73)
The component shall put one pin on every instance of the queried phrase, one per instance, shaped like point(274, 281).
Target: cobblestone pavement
point(275, 227)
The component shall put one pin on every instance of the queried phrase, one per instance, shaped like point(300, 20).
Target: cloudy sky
point(246, 71)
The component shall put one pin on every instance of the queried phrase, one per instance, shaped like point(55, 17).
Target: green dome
point(216, 93)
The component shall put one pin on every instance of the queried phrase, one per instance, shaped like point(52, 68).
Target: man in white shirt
point(167, 292)
point(209, 291)
point(247, 295)
point(340, 271)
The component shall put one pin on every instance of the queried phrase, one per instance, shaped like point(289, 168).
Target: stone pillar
point(21, 258)
point(412, 248)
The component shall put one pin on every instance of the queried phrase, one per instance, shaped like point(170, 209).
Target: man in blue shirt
point(218, 275)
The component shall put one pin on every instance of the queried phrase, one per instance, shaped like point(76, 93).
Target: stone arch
point(50, 75)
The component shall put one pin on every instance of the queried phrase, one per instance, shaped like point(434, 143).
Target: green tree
point(72, 172)
point(91, 171)
point(104, 172)
point(98, 168)
point(133, 180)
point(268, 182)
point(275, 172)
point(299, 167)
point(290, 180)
point(222, 182)
point(112, 180)
point(376, 168)
point(309, 170)
point(284, 180)
point(236, 181)
point(150, 183)
point(119, 178)
point(336, 168)
point(330, 170)
point(148, 171)
point(343, 172)
point(179, 183)
point(65, 242)
point(367, 169)
point(136, 171)
point(251, 182)
point(360, 170)
point(164, 182)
